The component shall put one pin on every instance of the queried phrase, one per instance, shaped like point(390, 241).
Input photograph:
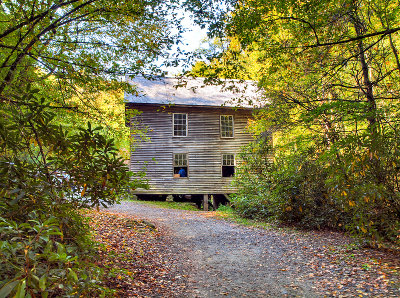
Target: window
point(228, 165)
point(226, 126)
point(180, 165)
point(180, 125)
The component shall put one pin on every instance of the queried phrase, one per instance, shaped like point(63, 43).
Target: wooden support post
point(228, 200)
point(214, 202)
point(205, 203)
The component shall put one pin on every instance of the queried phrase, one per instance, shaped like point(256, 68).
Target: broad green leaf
point(8, 287)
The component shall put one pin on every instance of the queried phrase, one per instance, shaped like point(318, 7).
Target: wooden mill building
point(192, 135)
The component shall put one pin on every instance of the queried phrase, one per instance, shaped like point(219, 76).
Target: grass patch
point(226, 212)
point(223, 212)
point(170, 205)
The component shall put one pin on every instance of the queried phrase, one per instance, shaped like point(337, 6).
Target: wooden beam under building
point(205, 203)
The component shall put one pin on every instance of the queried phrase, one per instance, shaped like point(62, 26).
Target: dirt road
point(220, 258)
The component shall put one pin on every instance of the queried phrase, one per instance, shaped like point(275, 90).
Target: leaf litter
point(138, 262)
point(332, 263)
point(339, 267)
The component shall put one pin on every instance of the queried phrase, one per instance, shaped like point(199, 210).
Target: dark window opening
point(180, 172)
point(228, 165)
point(180, 165)
point(228, 171)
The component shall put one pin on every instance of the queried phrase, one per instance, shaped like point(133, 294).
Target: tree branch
point(34, 18)
point(305, 22)
point(20, 56)
point(357, 38)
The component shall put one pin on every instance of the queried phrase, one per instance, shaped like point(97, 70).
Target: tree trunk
point(367, 89)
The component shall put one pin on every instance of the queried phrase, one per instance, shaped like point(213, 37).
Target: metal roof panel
point(192, 91)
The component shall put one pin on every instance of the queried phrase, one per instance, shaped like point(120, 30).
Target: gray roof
point(192, 91)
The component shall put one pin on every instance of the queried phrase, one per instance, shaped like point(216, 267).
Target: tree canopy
point(61, 75)
point(330, 71)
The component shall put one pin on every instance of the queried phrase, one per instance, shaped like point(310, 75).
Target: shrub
point(46, 175)
point(36, 260)
point(364, 181)
point(290, 188)
point(340, 189)
point(251, 206)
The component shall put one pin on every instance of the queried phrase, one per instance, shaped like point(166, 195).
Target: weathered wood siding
point(203, 145)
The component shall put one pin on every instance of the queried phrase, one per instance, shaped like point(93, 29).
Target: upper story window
point(180, 125)
point(226, 126)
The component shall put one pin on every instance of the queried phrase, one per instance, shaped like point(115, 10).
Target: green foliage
point(286, 188)
point(250, 178)
point(366, 190)
point(55, 160)
point(89, 44)
point(315, 189)
point(61, 64)
point(36, 261)
point(297, 192)
point(330, 72)
point(76, 52)
point(224, 208)
point(107, 109)
point(233, 63)
point(47, 174)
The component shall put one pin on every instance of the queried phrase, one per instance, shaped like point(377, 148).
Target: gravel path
point(220, 258)
point(224, 259)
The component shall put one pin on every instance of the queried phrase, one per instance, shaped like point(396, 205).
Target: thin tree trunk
point(394, 52)
point(367, 84)
point(367, 89)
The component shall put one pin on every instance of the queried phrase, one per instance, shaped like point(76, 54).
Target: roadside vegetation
point(228, 213)
point(63, 135)
point(326, 152)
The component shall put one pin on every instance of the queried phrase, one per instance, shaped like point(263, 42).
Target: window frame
point(222, 164)
point(180, 166)
point(220, 127)
point(186, 124)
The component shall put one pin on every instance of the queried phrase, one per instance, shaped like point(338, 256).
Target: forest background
point(330, 75)
point(62, 131)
